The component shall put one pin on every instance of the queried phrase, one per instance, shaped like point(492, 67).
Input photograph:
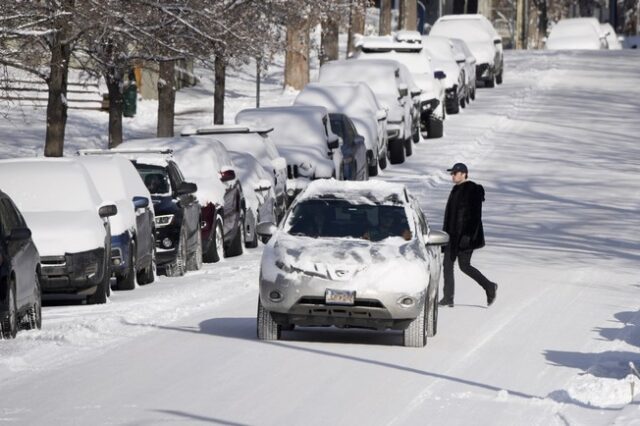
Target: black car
point(177, 216)
point(20, 295)
point(354, 151)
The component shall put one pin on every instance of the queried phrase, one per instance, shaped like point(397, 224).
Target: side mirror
point(439, 75)
point(416, 92)
point(108, 210)
point(263, 185)
point(334, 142)
point(497, 41)
point(381, 114)
point(140, 202)
point(266, 229)
point(227, 174)
point(437, 238)
point(20, 234)
point(186, 188)
point(403, 90)
point(358, 140)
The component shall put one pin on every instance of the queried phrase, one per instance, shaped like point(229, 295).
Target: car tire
point(194, 260)
point(490, 83)
point(10, 321)
point(396, 151)
point(215, 251)
point(236, 248)
point(34, 314)
point(499, 78)
point(432, 317)
point(177, 268)
point(267, 328)
point(148, 274)
point(454, 107)
point(473, 93)
point(408, 147)
point(254, 236)
point(372, 169)
point(416, 135)
point(415, 336)
point(435, 127)
point(468, 97)
point(101, 294)
point(463, 102)
point(128, 280)
point(382, 161)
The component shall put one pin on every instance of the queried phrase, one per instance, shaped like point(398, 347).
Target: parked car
point(425, 86)
point(613, 42)
point(257, 142)
point(69, 224)
point(20, 293)
point(304, 138)
point(383, 77)
point(260, 199)
point(133, 228)
point(461, 50)
point(483, 40)
point(354, 151)
point(576, 34)
point(440, 50)
point(351, 254)
point(358, 101)
point(176, 209)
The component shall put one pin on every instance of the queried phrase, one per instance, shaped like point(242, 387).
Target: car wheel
point(463, 102)
point(236, 248)
point(408, 147)
point(268, 329)
point(473, 93)
point(432, 317)
point(454, 107)
point(416, 135)
point(415, 336)
point(194, 260)
point(177, 268)
point(148, 274)
point(435, 127)
point(34, 314)
point(490, 83)
point(253, 243)
point(372, 166)
point(102, 291)
point(128, 281)
point(499, 78)
point(396, 151)
point(10, 322)
point(382, 161)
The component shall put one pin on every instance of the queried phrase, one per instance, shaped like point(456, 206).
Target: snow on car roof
point(409, 36)
point(469, 30)
point(379, 74)
point(352, 98)
point(438, 46)
point(387, 44)
point(225, 129)
point(366, 192)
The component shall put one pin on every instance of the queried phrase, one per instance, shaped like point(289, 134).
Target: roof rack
point(225, 129)
point(158, 151)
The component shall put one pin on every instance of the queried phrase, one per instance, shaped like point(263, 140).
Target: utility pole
point(521, 36)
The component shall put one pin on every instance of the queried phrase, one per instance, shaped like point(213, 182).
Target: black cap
point(458, 167)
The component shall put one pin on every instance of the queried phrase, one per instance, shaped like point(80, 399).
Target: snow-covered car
point(257, 142)
point(383, 77)
point(219, 195)
point(304, 138)
point(358, 101)
point(351, 254)
point(483, 41)
point(461, 50)
point(20, 294)
point(68, 221)
point(443, 58)
point(427, 89)
point(576, 34)
point(260, 199)
point(613, 43)
point(353, 149)
point(133, 227)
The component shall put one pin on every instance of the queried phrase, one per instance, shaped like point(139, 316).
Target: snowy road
point(556, 147)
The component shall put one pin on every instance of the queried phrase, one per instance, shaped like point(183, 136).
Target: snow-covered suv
point(351, 254)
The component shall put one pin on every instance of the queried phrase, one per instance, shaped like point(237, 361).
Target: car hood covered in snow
point(57, 233)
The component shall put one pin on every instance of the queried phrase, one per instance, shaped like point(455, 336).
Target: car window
point(342, 219)
point(155, 178)
point(9, 216)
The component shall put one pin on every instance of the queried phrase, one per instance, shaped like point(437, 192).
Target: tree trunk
point(116, 104)
point(408, 15)
point(296, 69)
point(329, 47)
point(356, 23)
point(218, 92)
point(459, 7)
point(385, 17)
point(57, 87)
point(166, 99)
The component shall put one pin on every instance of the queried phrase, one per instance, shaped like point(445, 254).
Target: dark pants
point(464, 261)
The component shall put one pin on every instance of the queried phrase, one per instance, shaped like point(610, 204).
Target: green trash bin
point(129, 99)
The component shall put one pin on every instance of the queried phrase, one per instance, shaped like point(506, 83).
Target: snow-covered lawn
point(556, 148)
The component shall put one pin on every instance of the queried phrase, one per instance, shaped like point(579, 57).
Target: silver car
point(351, 254)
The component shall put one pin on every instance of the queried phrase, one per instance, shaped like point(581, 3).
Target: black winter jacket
point(463, 217)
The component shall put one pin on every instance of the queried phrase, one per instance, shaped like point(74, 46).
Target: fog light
point(406, 301)
point(275, 296)
point(167, 243)
point(117, 262)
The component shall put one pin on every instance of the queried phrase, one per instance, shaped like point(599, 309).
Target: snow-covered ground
point(556, 148)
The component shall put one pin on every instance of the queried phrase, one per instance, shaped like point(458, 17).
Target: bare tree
point(385, 17)
point(356, 23)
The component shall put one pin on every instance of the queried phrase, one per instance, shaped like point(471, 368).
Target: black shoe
point(446, 302)
point(491, 294)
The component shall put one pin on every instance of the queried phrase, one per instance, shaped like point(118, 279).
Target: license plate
point(339, 297)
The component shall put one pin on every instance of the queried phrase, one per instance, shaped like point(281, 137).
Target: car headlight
point(305, 169)
point(164, 220)
point(283, 266)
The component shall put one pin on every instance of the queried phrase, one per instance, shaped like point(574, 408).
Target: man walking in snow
point(463, 223)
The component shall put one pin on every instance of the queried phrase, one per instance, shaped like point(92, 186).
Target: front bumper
point(302, 302)
point(73, 273)
point(167, 240)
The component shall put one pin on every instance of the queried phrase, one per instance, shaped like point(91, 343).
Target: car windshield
point(467, 30)
point(342, 219)
point(155, 178)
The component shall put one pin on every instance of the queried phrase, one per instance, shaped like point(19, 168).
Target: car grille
point(319, 301)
